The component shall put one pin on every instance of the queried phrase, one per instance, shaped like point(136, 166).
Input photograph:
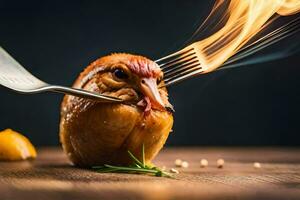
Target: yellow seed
point(14, 146)
point(185, 164)
point(175, 171)
point(178, 162)
point(220, 163)
point(256, 165)
point(203, 163)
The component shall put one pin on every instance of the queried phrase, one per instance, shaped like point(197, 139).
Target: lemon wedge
point(14, 146)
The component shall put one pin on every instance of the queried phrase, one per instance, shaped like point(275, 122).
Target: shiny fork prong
point(177, 68)
point(188, 69)
point(172, 56)
point(178, 60)
point(173, 80)
point(184, 70)
point(175, 59)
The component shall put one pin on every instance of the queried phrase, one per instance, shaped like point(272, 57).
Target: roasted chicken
point(94, 133)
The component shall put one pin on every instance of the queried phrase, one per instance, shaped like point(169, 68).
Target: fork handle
point(82, 93)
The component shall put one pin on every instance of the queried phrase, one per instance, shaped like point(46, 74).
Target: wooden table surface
point(51, 176)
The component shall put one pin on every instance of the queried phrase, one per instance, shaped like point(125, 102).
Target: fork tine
point(186, 63)
point(177, 60)
point(176, 54)
point(181, 68)
point(189, 69)
point(193, 72)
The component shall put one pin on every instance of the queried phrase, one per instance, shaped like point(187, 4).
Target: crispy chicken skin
point(94, 133)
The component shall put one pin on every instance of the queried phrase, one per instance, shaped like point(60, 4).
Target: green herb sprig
point(138, 167)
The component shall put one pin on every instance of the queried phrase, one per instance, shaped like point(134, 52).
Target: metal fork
point(180, 65)
point(17, 78)
point(186, 63)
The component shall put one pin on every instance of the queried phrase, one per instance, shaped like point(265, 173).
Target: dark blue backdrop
point(55, 40)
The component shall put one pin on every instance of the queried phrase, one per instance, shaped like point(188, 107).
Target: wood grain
point(51, 176)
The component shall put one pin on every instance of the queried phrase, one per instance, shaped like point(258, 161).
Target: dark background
point(55, 40)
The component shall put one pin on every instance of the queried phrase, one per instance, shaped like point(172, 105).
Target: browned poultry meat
point(94, 133)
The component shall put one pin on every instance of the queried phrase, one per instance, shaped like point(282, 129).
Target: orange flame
point(244, 19)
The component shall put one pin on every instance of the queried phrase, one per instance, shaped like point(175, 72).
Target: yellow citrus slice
point(14, 146)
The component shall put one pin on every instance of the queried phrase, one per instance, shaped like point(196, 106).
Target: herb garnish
point(138, 167)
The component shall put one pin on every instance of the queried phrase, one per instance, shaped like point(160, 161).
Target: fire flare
point(243, 19)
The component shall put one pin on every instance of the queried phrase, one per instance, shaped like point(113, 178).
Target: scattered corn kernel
point(256, 165)
point(203, 163)
point(220, 163)
point(178, 162)
point(185, 164)
point(175, 171)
